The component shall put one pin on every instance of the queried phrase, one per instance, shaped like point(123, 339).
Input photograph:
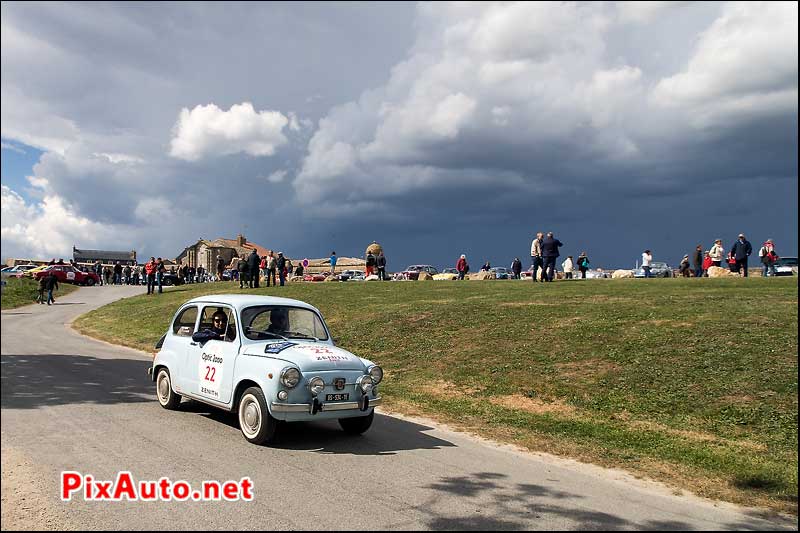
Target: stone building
point(89, 257)
point(204, 252)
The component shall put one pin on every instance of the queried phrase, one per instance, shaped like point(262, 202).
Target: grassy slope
point(692, 382)
point(19, 292)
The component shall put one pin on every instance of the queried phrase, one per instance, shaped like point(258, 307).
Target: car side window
point(184, 323)
point(207, 320)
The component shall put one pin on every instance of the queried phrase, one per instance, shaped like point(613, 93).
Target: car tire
point(257, 425)
point(357, 425)
point(167, 397)
point(89, 282)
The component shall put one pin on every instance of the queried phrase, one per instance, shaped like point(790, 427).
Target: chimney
point(240, 240)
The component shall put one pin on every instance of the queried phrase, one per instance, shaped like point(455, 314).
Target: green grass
point(693, 382)
point(19, 292)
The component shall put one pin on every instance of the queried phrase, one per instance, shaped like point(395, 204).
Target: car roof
point(240, 301)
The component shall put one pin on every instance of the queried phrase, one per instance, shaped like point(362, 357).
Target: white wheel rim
point(164, 388)
point(250, 416)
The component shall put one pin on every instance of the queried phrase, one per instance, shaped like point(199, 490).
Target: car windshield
point(787, 261)
point(658, 265)
point(413, 268)
point(264, 322)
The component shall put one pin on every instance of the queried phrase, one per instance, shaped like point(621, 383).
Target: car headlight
point(365, 383)
point(290, 377)
point(376, 373)
point(316, 385)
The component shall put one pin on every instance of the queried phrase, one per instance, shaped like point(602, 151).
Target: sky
point(435, 129)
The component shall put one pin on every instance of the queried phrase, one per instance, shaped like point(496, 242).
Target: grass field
point(689, 381)
point(19, 292)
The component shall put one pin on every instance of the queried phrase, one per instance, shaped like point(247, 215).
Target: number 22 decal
point(210, 373)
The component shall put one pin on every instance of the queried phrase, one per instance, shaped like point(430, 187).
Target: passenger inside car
point(279, 320)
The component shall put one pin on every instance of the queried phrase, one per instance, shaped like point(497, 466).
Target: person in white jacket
point(568, 267)
point(717, 252)
point(647, 258)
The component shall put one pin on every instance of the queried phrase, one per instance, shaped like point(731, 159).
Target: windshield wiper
point(265, 332)
point(297, 334)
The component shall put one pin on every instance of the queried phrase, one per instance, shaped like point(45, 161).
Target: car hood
point(308, 356)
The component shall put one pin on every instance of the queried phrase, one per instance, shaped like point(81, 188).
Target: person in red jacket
point(150, 268)
point(707, 263)
point(462, 266)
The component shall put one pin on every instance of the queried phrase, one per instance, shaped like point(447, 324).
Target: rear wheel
point(256, 423)
point(90, 281)
point(166, 396)
point(357, 425)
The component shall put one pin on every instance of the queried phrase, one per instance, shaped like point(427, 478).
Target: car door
point(210, 364)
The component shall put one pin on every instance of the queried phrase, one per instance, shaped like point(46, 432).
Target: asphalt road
point(71, 403)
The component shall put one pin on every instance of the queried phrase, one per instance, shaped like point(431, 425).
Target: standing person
point(550, 246)
point(50, 285)
point(717, 252)
point(684, 266)
point(263, 266)
point(150, 269)
point(707, 263)
point(280, 266)
point(536, 255)
point(42, 288)
point(568, 267)
point(271, 268)
point(160, 270)
point(768, 258)
point(380, 262)
point(98, 269)
point(135, 275)
point(333, 262)
point(647, 258)
point(253, 262)
point(370, 264)
point(697, 261)
point(583, 264)
point(117, 274)
point(289, 268)
point(462, 266)
point(516, 268)
point(220, 267)
point(127, 273)
point(741, 251)
point(108, 273)
point(241, 268)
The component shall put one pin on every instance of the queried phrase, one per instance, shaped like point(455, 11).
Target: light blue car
point(267, 359)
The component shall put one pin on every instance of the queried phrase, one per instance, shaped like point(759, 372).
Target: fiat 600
point(267, 359)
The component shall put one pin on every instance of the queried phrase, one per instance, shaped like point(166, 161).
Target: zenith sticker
point(278, 347)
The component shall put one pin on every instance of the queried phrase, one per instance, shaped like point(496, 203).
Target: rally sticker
point(210, 370)
point(278, 347)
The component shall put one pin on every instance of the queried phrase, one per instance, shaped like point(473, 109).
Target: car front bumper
point(278, 407)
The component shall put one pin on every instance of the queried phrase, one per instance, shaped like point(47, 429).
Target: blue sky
point(433, 128)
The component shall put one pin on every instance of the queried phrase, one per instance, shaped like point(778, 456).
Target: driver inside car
point(279, 321)
point(217, 331)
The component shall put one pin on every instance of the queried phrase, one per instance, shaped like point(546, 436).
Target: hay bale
point(719, 272)
point(295, 279)
point(619, 274)
point(375, 248)
point(372, 277)
point(424, 276)
point(482, 275)
point(331, 278)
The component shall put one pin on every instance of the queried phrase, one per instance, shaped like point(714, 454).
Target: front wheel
point(257, 425)
point(168, 398)
point(357, 425)
point(90, 282)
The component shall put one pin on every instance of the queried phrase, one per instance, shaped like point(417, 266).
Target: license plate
point(337, 397)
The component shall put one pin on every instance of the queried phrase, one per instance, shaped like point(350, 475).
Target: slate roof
point(81, 254)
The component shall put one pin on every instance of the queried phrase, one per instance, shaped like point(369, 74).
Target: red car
point(412, 271)
point(69, 274)
point(320, 276)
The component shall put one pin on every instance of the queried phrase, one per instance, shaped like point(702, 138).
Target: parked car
point(786, 266)
point(447, 274)
point(501, 272)
point(593, 274)
point(16, 271)
point(318, 276)
point(657, 270)
point(412, 271)
point(169, 279)
point(351, 275)
point(69, 274)
point(274, 360)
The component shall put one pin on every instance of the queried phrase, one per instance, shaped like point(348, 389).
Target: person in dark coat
point(280, 265)
point(516, 267)
point(253, 263)
point(241, 267)
point(550, 246)
point(51, 284)
point(740, 252)
point(583, 264)
point(380, 262)
point(697, 261)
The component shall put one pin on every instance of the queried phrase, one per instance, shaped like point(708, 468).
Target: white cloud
point(208, 131)
point(277, 176)
point(8, 146)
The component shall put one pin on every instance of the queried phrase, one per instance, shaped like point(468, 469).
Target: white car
point(16, 271)
point(268, 359)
